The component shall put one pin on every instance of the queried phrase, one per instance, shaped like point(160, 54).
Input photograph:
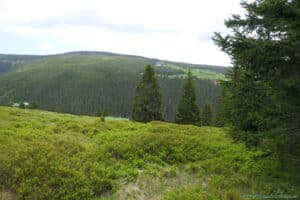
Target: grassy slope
point(45, 155)
point(199, 73)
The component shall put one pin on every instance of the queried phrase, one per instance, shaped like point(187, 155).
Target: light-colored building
point(17, 105)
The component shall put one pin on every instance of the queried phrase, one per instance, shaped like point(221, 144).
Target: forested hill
point(93, 82)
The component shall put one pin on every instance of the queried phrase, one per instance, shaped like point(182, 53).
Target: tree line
point(74, 92)
point(148, 103)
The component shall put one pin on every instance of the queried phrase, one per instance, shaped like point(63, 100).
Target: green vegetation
point(206, 119)
point(22, 105)
point(262, 97)
point(148, 98)
point(45, 155)
point(34, 105)
point(199, 73)
point(188, 111)
point(12, 62)
point(89, 82)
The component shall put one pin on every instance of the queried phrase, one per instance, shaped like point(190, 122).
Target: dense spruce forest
point(96, 82)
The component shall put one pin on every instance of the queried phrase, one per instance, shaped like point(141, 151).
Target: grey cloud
point(90, 18)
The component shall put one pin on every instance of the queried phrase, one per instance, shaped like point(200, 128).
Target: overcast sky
point(178, 30)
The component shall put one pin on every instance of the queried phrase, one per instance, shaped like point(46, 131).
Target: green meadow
point(46, 155)
point(199, 73)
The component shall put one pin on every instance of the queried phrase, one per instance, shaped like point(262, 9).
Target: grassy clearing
point(45, 155)
point(199, 73)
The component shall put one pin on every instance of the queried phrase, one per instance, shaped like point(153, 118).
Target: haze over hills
point(92, 82)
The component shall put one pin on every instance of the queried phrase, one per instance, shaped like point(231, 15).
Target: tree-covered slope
point(46, 155)
point(12, 62)
point(93, 82)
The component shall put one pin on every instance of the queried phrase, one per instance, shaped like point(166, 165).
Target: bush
point(193, 168)
point(35, 163)
point(169, 172)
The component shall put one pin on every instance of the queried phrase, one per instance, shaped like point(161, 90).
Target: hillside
point(93, 82)
point(9, 62)
point(46, 155)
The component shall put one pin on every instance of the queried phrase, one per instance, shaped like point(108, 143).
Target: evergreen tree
point(22, 105)
point(148, 98)
point(263, 91)
point(33, 105)
point(188, 111)
point(219, 118)
point(206, 114)
point(102, 116)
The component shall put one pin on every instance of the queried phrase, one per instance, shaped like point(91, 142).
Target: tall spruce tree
point(206, 114)
point(263, 91)
point(188, 111)
point(148, 98)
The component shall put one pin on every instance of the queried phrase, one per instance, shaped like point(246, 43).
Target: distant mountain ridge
point(85, 82)
point(25, 57)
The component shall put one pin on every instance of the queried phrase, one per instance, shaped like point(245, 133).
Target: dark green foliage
point(249, 105)
point(263, 93)
point(22, 105)
point(34, 105)
point(5, 66)
point(148, 98)
point(102, 116)
point(206, 119)
point(85, 83)
point(188, 111)
point(219, 117)
point(12, 62)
